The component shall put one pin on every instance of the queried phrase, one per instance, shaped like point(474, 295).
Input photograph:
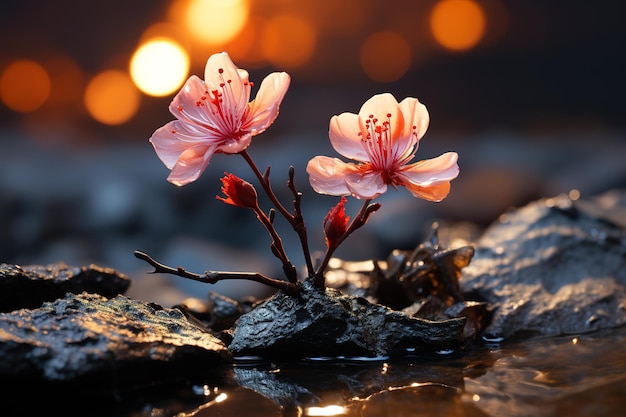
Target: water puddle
point(577, 375)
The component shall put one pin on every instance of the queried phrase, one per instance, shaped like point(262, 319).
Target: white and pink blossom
point(216, 116)
point(383, 138)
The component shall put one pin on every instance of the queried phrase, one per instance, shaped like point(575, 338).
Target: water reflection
point(576, 375)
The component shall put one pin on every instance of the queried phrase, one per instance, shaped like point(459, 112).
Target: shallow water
point(577, 375)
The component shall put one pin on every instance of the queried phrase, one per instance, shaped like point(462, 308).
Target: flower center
point(224, 106)
point(226, 109)
point(385, 156)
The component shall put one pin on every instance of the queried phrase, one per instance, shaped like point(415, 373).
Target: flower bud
point(335, 223)
point(238, 192)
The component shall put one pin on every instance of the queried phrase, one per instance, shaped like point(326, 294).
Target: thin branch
point(277, 246)
point(211, 277)
point(265, 183)
point(298, 222)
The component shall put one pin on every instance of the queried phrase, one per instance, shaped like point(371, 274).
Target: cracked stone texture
point(332, 324)
point(31, 285)
point(89, 337)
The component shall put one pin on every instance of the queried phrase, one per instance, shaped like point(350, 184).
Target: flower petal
point(191, 164)
point(365, 186)
point(190, 104)
point(415, 115)
point(221, 73)
point(263, 110)
point(171, 140)
point(431, 171)
point(344, 136)
point(434, 193)
point(380, 106)
point(416, 120)
point(234, 145)
point(326, 175)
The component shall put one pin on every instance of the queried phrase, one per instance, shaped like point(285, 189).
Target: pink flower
point(214, 116)
point(384, 138)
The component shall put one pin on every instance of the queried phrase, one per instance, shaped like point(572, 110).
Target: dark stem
point(296, 220)
point(277, 244)
point(359, 220)
point(211, 277)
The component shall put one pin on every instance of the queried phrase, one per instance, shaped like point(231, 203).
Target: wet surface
point(575, 375)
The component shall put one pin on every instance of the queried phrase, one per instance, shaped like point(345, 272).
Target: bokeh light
point(67, 83)
point(385, 56)
point(287, 41)
point(24, 86)
point(244, 49)
point(457, 24)
point(159, 67)
point(215, 21)
point(111, 97)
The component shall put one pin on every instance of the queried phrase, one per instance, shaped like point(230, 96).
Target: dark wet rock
point(422, 283)
point(555, 266)
point(330, 323)
point(89, 338)
point(406, 276)
point(30, 286)
point(429, 270)
point(217, 313)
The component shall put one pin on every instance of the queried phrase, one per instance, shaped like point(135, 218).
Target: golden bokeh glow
point(385, 56)
point(159, 67)
point(24, 86)
point(111, 98)
point(328, 411)
point(457, 24)
point(215, 21)
point(244, 49)
point(288, 41)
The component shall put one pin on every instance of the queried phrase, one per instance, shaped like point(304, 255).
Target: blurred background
point(529, 93)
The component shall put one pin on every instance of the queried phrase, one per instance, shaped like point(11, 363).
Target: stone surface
point(30, 286)
point(118, 341)
point(333, 324)
point(555, 266)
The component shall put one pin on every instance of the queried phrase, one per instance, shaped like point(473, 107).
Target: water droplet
point(492, 338)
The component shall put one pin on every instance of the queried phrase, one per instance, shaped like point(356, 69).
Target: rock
point(555, 266)
point(427, 270)
point(30, 286)
point(89, 339)
point(218, 313)
point(330, 323)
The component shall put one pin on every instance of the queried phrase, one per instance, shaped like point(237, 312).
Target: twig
point(296, 220)
point(211, 277)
